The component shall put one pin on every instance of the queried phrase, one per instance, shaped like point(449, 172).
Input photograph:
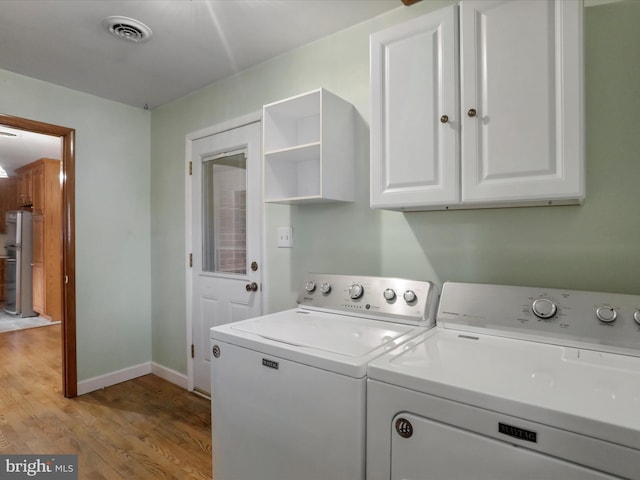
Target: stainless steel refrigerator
point(19, 248)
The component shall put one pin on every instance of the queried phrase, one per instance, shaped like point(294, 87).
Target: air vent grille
point(127, 29)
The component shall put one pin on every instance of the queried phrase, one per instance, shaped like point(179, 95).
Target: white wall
point(112, 218)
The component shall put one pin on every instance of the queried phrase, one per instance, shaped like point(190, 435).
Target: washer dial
point(325, 287)
point(606, 314)
point(310, 286)
point(544, 308)
point(410, 296)
point(356, 291)
point(636, 316)
point(389, 294)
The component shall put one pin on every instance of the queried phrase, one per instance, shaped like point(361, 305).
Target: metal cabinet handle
point(444, 119)
point(472, 112)
point(251, 287)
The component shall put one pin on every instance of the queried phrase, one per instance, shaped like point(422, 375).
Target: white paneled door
point(226, 235)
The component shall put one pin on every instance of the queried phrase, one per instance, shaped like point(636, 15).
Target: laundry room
point(580, 245)
point(138, 306)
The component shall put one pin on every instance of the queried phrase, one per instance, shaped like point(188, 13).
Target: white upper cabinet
point(522, 71)
point(414, 82)
point(308, 149)
point(500, 125)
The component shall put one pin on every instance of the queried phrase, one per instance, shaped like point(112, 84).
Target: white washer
point(514, 383)
point(289, 389)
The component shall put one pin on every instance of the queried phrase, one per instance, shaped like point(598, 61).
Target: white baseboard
point(172, 376)
point(119, 376)
point(108, 379)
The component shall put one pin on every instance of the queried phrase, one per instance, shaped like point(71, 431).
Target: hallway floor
point(146, 428)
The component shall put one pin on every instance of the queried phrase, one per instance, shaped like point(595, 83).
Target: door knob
point(251, 287)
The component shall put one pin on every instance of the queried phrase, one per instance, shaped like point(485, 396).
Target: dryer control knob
point(410, 296)
point(310, 286)
point(356, 290)
point(636, 316)
point(389, 294)
point(606, 314)
point(544, 308)
point(325, 287)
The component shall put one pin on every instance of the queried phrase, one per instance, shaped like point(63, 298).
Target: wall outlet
point(285, 237)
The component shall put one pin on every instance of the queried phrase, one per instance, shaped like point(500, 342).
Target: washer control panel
point(382, 298)
point(604, 321)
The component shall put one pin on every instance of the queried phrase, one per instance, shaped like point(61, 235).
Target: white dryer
point(514, 383)
point(288, 390)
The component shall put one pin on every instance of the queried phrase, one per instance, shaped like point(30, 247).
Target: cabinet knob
point(444, 119)
point(472, 112)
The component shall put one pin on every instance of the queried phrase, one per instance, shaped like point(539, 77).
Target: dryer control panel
point(594, 320)
point(381, 298)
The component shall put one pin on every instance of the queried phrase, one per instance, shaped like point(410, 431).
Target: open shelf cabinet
point(308, 149)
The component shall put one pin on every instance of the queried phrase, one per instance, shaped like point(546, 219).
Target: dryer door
point(423, 449)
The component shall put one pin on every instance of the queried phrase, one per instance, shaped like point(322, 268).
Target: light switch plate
point(285, 237)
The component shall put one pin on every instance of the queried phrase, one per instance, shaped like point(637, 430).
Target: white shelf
point(308, 149)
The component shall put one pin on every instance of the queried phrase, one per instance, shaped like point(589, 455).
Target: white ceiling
point(194, 42)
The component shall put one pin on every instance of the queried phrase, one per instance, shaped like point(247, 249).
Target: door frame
point(188, 191)
point(68, 334)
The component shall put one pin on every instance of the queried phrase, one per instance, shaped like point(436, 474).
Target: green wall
point(112, 218)
point(595, 246)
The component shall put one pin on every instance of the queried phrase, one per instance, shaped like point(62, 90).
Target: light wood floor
point(146, 428)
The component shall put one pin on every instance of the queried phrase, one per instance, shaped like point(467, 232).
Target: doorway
point(68, 330)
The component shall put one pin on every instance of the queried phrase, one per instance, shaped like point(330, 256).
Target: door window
point(224, 209)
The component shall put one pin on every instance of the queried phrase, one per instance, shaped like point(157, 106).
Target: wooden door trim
point(68, 340)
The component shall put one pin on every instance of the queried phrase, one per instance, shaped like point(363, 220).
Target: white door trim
point(189, 139)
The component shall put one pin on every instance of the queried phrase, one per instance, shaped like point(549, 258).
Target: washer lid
point(338, 343)
point(585, 391)
point(349, 336)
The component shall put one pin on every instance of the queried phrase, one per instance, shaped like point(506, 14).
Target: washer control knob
point(389, 294)
point(636, 316)
point(310, 286)
point(325, 288)
point(356, 290)
point(410, 296)
point(606, 314)
point(544, 308)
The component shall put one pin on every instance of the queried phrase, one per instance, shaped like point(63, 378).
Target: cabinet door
point(7, 200)
point(414, 82)
point(38, 239)
point(25, 188)
point(37, 189)
point(521, 72)
point(38, 289)
point(37, 269)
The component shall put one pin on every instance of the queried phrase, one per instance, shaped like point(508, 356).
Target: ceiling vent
point(127, 29)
